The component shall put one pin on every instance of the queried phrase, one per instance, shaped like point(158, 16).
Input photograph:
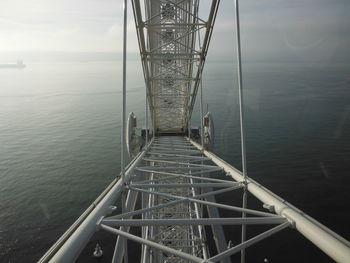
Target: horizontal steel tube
point(189, 164)
point(195, 222)
point(180, 159)
point(144, 210)
point(175, 24)
point(173, 154)
point(178, 148)
point(174, 175)
point(178, 155)
point(173, 151)
point(155, 168)
point(168, 153)
point(175, 185)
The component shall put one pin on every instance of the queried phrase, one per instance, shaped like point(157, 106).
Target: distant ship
point(19, 64)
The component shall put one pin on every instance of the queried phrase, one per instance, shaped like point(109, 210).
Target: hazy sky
point(298, 29)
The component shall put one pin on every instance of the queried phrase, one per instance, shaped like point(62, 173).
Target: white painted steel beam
point(144, 210)
point(186, 185)
point(194, 222)
point(172, 219)
point(209, 179)
point(167, 35)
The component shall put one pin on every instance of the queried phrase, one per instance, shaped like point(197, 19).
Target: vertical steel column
point(201, 114)
point(201, 97)
point(146, 118)
point(153, 123)
point(125, 8)
point(188, 126)
point(122, 164)
point(241, 115)
point(240, 89)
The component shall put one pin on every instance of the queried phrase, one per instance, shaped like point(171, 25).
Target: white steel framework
point(173, 179)
point(170, 190)
point(169, 34)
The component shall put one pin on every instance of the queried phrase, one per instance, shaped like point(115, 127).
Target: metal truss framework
point(172, 54)
point(175, 187)
point(176, 180)
point(173, 180)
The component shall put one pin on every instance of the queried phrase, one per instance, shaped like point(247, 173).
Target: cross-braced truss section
point(173, 207)
point(171, 193)
point(178, 196)
point(173, 41)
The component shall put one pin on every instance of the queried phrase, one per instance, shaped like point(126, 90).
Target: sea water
point(60, 140)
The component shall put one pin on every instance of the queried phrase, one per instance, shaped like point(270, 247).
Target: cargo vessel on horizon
point(19, 64)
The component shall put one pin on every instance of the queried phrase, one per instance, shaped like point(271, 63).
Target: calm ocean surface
point(60, 142)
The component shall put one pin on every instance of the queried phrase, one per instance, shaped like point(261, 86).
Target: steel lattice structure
point(173, 55)
point(174, 180)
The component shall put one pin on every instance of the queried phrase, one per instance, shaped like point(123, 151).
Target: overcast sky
point(298, 29)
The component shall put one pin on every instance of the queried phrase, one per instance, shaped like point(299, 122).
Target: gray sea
point(60, 142)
